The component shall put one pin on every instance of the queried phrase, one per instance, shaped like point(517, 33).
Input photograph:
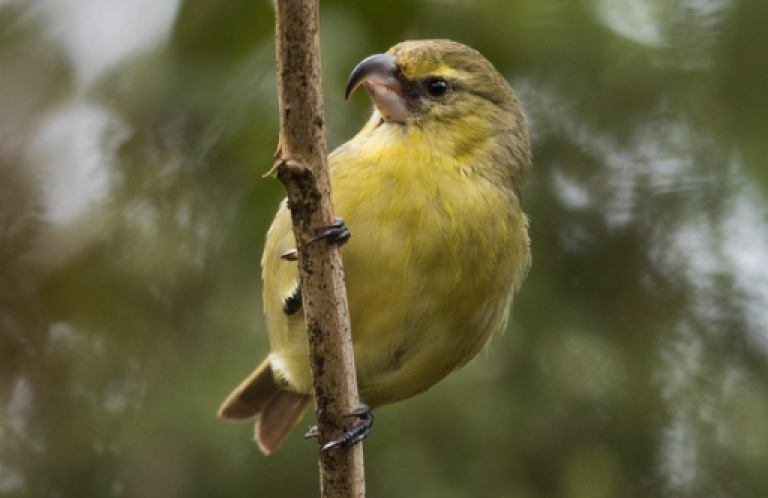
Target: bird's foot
point(312, 433)
point(290, 255)
point(336, 233)
point(359, 431)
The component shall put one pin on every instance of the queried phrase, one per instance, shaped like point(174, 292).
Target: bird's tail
point(278, 409)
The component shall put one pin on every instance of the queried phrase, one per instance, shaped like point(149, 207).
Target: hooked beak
point(377, 74)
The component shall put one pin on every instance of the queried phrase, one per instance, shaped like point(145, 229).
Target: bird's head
point(448, 90)
point(417, 80)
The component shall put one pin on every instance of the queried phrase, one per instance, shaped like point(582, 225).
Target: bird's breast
point(430, 267)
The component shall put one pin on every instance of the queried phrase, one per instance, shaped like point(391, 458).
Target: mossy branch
point(301, 164)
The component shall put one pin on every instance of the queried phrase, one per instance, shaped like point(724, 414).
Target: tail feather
point(252, 395)
point(281, 414)
point(279, 410)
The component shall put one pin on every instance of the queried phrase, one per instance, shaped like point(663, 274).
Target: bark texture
point(301, 164)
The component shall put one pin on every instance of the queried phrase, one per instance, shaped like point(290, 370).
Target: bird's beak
point(378, 74)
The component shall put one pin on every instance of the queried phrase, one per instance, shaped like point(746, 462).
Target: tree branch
point(302, 166)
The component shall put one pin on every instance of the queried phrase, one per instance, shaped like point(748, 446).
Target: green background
point(133, 139)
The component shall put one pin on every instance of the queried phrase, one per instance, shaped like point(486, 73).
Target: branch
point(302, 166)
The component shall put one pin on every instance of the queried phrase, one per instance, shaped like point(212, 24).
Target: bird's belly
point(430, 273)
point(424, 299)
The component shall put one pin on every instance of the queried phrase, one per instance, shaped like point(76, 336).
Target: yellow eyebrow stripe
point(442, 70)
point(446, 71)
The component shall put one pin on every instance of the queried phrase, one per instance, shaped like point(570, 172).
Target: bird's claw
point(336, 233)
point(290, 255)
point(354, 435)
point(358, 432)
point(312, 433)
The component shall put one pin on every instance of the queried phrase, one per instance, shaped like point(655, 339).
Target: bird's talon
point(359, 431)
point(312, 433)
point(361, 412)
point(290, 255)
point(336, 233)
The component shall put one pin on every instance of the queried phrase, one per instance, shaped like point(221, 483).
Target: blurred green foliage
point(133, 211)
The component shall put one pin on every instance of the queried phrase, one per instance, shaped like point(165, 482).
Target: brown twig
point(301, 164)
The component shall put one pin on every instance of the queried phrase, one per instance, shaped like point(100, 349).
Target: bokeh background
point(133, 139)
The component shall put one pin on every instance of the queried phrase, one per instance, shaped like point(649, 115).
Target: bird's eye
point(437, 87)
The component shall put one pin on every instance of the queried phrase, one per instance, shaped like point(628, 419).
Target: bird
point(437, 242)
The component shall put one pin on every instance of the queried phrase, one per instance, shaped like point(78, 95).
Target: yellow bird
point(430, 191)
